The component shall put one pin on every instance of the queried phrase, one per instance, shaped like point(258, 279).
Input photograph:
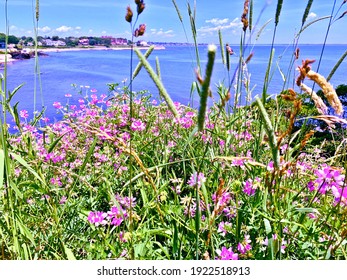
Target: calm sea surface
point(95, 69)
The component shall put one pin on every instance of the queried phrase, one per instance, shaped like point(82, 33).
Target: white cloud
point(217, 21)
point(64, 29)
point(220, 24)
point(311, 15)
point(104, 32)
point(161, 33)
point(78, 27)
point(45, 29)
point(90, 31)
point(13, 28)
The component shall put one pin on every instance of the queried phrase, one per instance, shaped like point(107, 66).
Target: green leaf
point(11, 94)
point(21, 161)
point(88, 156)
point(52, 146)
point(307, 210)
point(24, 230)
point(69, 254)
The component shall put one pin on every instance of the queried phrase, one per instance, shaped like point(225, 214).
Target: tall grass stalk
point(37, 72)
point(206, 86)
point(268, 70)
point(192, 17)
point(163, 93)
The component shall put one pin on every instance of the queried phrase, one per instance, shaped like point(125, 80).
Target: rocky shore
point(14, 55)
point(3, 56)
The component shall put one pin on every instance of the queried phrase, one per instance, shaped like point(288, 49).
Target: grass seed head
point(140, 31)
point(318, 102)
point(129, 15)
point(140, 6)
point(328, 90)
point(244, 18)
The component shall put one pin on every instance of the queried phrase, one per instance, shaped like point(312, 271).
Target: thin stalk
point(325, 39)
point(158, 83)
point(266, 80)
point(131, 171)
point(4, 146)
point(193, 27)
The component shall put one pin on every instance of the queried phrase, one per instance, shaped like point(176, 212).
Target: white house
point(142, 44)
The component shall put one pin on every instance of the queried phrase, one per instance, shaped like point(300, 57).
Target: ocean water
point(95, 69)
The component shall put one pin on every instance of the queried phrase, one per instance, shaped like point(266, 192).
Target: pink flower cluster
point(330, 179)
point(115, 216)
point(196, 179)
point(227, 254)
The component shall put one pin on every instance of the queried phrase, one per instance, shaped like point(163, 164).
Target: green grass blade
point(2, 168)
point(312, 22)
point(158, 83)
point(336, 66)
point(88, 156)
point(178, 11)
point(11, 94)
point(55, 143)
point(270, 133)
point(69, 254)
point(157, 67)
point(139, 65)
point(21, 161)
point(307, 10)
point(221, 46)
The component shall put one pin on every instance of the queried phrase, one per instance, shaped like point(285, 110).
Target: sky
point(106, 18)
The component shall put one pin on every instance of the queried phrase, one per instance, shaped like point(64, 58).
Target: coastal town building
point(83, 42)
point(51, 43)
point(142, 44)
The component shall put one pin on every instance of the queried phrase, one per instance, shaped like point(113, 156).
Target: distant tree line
point(70, 41)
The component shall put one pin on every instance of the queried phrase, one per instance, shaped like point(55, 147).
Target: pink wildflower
point(138, 125)
point(224, 228)
point(57, 105)
point(227, 254)
point(196, 179)
point(24, 114)
point(63, 200)
point(244, 246)
point(116, 215)
point(97, 218)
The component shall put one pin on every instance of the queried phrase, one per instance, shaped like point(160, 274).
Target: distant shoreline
point(74, 49)
point(48, 50)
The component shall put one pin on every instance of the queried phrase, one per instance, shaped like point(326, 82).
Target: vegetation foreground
point(124, 176)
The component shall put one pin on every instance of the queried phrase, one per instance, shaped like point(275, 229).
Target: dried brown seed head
point(244, 18)
point(297, 53)
point(129, 15)
point(140, 31)
point(140, 7)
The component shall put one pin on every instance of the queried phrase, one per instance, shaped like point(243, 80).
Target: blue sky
point(96, 18)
